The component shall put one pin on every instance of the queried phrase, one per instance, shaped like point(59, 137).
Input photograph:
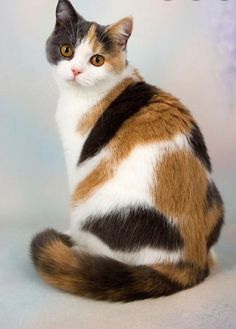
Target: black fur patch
point(198, 146)
point(129, 102)
point(212, 196)
point(109, 279)
point(130, 229)
point(215, 233)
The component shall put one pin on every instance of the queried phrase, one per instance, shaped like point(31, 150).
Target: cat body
point(144, 209)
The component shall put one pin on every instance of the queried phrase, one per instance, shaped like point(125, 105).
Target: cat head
point(84, 53)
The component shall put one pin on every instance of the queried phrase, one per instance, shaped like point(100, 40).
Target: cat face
point(84, 53)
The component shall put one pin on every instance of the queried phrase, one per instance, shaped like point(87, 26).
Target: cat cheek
point(64, 70)
point(115, 64)
point(98, 73)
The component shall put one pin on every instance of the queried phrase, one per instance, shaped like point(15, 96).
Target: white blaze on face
point(90, 74)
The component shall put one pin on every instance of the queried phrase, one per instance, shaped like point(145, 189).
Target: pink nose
point(75, 71)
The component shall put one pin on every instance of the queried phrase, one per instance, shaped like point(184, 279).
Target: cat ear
point(65, 12)
point(121, 31)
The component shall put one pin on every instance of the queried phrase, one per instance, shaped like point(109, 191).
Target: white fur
point(146, 256)
point(213, 254)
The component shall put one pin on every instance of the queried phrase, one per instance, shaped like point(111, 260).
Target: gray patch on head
point(71, 28)
point(70, 32)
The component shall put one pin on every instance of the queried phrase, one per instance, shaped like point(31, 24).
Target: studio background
point(185, 47)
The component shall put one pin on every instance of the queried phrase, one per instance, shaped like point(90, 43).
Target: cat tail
point(104, 278)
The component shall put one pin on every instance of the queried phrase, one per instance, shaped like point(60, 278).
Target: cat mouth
point(73, 80)
point(76, 82)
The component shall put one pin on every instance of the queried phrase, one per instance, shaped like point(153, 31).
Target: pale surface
point(28, 303)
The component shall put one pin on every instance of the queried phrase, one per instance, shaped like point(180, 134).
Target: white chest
point(74, 103)
point(71, 108)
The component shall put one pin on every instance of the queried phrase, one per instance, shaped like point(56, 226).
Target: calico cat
point(144, 209)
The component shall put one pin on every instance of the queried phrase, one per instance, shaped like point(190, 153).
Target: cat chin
point(84, 84)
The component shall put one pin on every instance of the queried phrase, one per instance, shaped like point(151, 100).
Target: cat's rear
point(144, 211)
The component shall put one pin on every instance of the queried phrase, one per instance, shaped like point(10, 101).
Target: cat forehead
point(92, 33)
point(98, 38)
point(94, 41)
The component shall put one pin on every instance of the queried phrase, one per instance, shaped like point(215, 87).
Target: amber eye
point(66, 51)
point(97, 60)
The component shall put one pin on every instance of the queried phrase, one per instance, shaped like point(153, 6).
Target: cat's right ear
point(121, 31)
point(65, 12)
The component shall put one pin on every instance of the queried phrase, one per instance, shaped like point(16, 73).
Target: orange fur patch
point(93, 40)
point(179, 193)
point(184, 274)
point(103, 172)
point(115, 63)
point(161, 120)
point(58, 252)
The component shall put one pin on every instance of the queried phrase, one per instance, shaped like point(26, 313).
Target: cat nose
point(75, 71)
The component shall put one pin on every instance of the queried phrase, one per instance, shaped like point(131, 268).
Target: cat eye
point(66, 51)
point(97, 60)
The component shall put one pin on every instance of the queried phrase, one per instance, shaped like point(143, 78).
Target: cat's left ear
point(121, 31)
point(65, 12)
